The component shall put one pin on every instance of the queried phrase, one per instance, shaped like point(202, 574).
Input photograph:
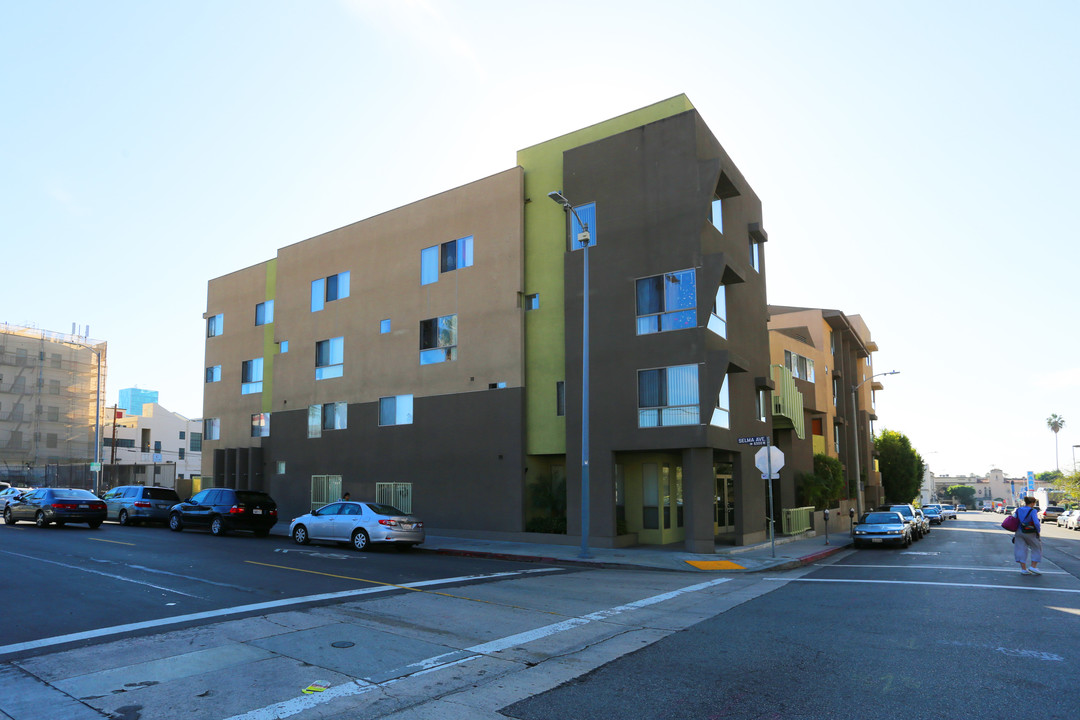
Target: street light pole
point(855, 431)
point(582, 238)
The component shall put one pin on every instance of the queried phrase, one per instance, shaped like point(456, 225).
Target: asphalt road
point(58, 581)
point(945, 629)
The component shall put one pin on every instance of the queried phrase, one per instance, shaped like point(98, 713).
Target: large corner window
point(215, 325)
point(260, 425)
point(264, 313)
point(667, 302)
point(328, 416)
point(445, 258)
point(251, 375)
point(211, 429)
point(668, 396)
point(328, 289)
point(718, 317)
point(721, 416)
point(396, 410)
point(329, 358)
point(438, 340)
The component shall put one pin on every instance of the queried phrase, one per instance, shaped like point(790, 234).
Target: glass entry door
point(724, 508)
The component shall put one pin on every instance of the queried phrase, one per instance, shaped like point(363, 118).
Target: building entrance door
point(724, 508)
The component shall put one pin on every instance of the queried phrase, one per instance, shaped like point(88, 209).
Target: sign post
point(769, 459)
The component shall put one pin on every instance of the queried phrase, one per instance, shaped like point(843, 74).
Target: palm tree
point(1055, 422)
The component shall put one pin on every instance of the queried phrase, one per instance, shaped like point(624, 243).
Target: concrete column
point(699, 499)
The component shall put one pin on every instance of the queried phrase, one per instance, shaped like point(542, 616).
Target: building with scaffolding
point(51, 385)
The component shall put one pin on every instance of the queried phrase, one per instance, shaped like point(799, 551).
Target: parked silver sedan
point(880, 528)
point(358, 523)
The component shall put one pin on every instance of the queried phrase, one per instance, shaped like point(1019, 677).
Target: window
point(53, 414)
point(755, 255)
point(384, 326)
point(18, 385)
point(213, 374)
point(51, 440)
point(718, 318)
point(280, 467)
point(397, 410)
point(54, 387)
point(447, 257)
point(195, 442)
point(666, 302)
point(157, 446)
point(328, 289)
point(56, 360)
point(283, 347)
point(668, 396)
point(721, 416)
point(20, 356)
point(251, 376)
point(180, 454)
point(264, 313)
point(836, 392)
point(800, 367)
point(762, 404)
point(438, 340)
point(329, 358)
point(836, 438)
point(260, 425)
point(532, 302)
point(329, 416)
point(182, 434)
point(560, 398)
point(215, 325)
point(211, 430)
point(716, 213)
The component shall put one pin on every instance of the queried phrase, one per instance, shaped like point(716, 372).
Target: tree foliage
point(901, 466)
point(962, 494)
point(1050, 476)
point(825, 486)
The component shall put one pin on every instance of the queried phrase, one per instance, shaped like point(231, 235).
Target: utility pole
point(112, 460)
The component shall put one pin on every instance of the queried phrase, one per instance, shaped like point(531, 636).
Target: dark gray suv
point(130, 504)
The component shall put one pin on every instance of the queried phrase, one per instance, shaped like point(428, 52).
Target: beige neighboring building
point(992, 486)
point(156, 447)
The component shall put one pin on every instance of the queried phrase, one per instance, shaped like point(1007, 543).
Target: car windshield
point(1053, 508)
point(156, 493)
point(73, 495)
point(384, 509)
point(249, 496)
point(880, 518)
point(903, 510)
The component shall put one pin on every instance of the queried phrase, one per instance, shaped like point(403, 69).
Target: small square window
point(215, 325)
point(397, 410)
point(264, 313)
point(284, 346)
point(496, 386)
point(384, 326)
point(213, 374)
point(260, 425)
point(280, 467)
point(532, 302)
point(330, 358)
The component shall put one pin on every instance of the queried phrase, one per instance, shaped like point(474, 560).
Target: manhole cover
point(342, 644)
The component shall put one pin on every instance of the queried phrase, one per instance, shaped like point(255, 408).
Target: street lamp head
point(558, 197)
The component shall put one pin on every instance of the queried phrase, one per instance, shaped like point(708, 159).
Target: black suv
point(224, 509)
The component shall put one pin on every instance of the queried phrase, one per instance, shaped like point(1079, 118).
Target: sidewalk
point(791, 552)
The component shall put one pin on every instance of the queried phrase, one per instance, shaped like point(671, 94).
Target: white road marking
point(299, 704)
point(103, 574)
point(925, 582)
point(239, 609)
point(937, 567)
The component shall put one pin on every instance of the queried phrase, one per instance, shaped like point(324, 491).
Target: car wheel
point(300, 535)
point(94, 524)
point(123, 517)
point(8, 518)
point(217, 526)
point(360, 539)
point(40, 520)
point(175, 523)
point(907, 541)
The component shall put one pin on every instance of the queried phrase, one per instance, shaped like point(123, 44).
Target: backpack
point(1027, 526)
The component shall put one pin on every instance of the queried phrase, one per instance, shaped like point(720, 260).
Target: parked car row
point(1069, 519)
point(220, 510)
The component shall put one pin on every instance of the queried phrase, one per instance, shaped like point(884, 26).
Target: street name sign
point(754, 440)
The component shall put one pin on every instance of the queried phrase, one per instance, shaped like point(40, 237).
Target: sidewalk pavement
point(790, 552)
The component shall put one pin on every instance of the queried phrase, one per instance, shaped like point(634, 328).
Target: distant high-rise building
point(132, 399)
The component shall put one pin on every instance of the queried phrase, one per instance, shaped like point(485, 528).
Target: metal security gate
point(324, 489)
point(397, 494)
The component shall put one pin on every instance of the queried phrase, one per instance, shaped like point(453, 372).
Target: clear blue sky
point(917, 163)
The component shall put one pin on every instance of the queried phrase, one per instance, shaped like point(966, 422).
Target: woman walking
point(1027, 540)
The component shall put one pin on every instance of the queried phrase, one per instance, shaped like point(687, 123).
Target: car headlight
point(894, 532)
point(860, 532)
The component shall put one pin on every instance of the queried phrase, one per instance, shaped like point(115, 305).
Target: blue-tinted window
point(211, 430)
point(318, 294)
point(251, 375)
point(721, 416)
point(667, 302)
point(329, 358)
point(532, 302)
point(215, 325)
point(284, 346)
point(264, 313)
point(438, 340)
point(668, 396)
point(429, 265)
point(384, 326)
point(260, 425)
point(587, 213)
point(328, 289)
point(755, 255)
point(397, 410)
point(718, 317)
point(457, 254)
point(716, 214)
point(213, 374)
point(195, 442)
